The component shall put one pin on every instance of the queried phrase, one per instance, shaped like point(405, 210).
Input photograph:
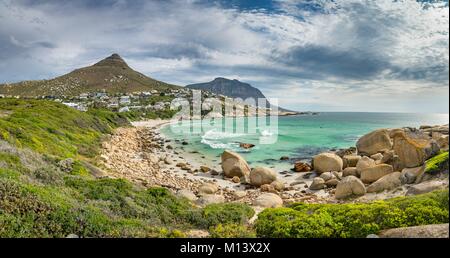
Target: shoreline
point(164, 157)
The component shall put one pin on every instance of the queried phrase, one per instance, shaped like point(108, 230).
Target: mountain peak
point(231, 88)
point(113, 60)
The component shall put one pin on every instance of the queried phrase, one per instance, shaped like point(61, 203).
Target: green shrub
point(353, 220)
point(231, 231)
point(226, 213)
point(437, 163)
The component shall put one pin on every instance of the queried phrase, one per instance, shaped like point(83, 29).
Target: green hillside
point(44, 194)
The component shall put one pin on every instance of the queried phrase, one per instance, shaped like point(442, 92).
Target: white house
point(125, 100)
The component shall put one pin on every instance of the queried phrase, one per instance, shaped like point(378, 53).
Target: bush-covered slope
point(41, 197)
point(53, 128)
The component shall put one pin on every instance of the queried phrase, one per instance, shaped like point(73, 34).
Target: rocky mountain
point(112, 75)
point(231, 88)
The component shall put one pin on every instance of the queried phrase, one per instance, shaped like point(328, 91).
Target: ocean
point(298, 137)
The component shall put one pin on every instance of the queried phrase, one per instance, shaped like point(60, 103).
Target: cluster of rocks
point(382, 160)
point(135, 154)
point(141, 155)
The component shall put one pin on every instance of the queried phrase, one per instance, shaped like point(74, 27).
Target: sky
point(325, 55)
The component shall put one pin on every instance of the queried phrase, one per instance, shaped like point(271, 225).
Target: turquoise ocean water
point(299, 137)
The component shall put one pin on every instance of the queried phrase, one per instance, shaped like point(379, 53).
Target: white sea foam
point(217, 135)
point(220, 145)
point(266, 133)
point(213, 139)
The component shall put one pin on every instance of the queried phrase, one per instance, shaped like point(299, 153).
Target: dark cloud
point(172, 51)
point(323, 62)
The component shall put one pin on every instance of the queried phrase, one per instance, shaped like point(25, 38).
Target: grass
point(353, 220)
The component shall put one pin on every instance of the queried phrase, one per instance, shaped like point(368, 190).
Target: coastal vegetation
point(48, 187)
point(302, 220)
point(52, 185)
point(437, 163)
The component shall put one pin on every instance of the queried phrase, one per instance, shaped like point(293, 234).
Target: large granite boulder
point(413, 151)
point(234, 165)
point(350, 160)
point(268, 200)
point(412, 175)
point(210, 199)
point(387, 182)
point(374, 142)
point(327, 162)
point(376, 172)
point(350, 171)
point(349, 186)
point(262, 175)
point(424, 231)
point(185, 193)
point(317, 184)
point(208, 188)
point(425, 187)
point(363, 163)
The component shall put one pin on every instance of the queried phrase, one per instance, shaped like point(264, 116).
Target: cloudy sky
point(340, 55)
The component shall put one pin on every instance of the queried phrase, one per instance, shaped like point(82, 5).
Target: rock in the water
point(363, 163)
point(210, 199)
point(350, 160)
point(374, 142)
point(268, 200)
point(327, 162)
point(301, 167)
point(412, 175)
point(372, 174)
point(350, 171)
point(317, 184)
point(413, 152)
point(246, 145)
point(184, 193)
point(425, 187)
point(344, 152)
point(208, 188)
point(284, 158)
point(262, 175)
point(349, 186)
point(426, 231)
point(234, 165)
point(387, 182)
